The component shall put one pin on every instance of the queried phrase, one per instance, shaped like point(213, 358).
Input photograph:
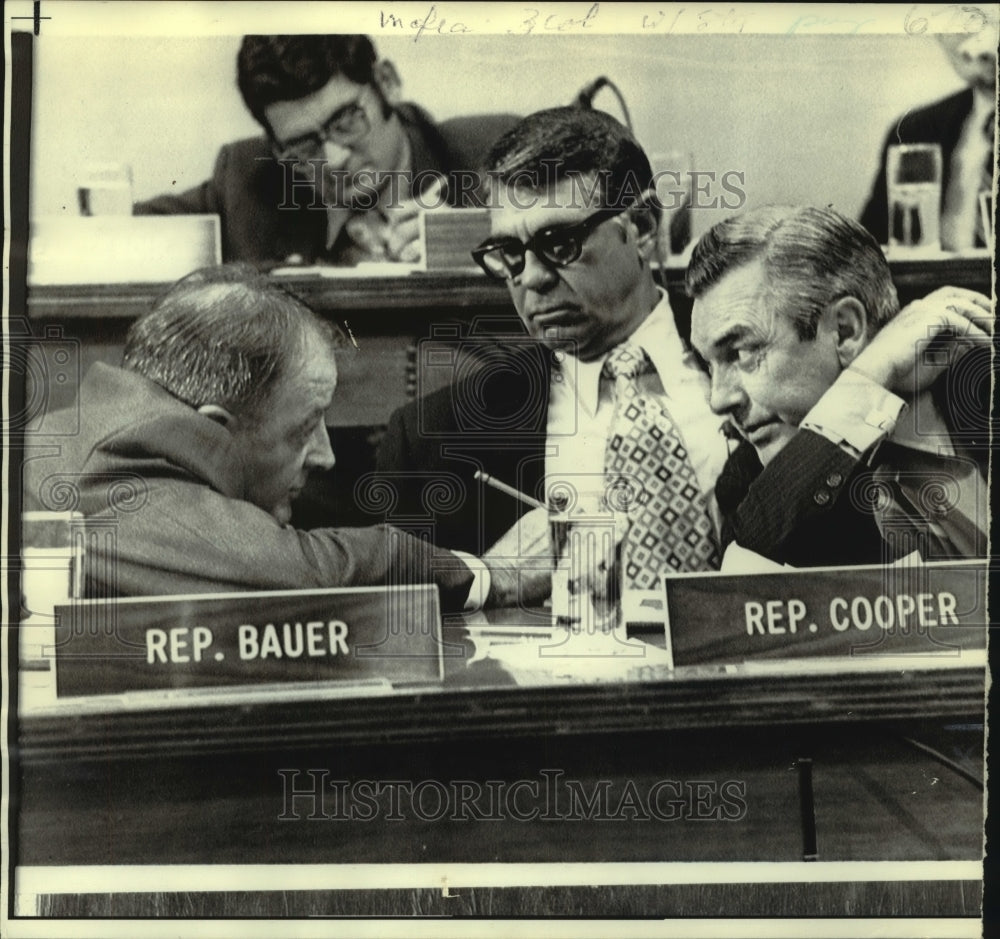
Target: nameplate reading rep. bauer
point(351, 635)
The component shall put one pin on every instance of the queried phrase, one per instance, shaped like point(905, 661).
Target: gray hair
point(813, 257)
point(223, 335)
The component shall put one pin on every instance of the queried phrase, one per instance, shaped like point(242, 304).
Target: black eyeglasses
point(557, 245)
point(347, 125)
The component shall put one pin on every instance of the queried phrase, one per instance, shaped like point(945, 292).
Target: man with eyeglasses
point(573, 235)
point(335, 177)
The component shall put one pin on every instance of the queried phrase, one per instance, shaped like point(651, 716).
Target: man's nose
point(726, 393)
point(537, 275)
point(335, 155)
point(320, 453)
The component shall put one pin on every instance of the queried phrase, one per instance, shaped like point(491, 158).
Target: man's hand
point(520, 563)
point(926, 338)
point(402, 233)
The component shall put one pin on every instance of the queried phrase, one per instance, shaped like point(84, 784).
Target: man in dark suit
point(864, 432)
point(573, 233)
point(187, 458)
point(343, 167)
point(494, 421)
point(963, 124)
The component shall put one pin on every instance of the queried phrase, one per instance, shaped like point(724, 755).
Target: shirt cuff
point(481, 582)
point(856, 413)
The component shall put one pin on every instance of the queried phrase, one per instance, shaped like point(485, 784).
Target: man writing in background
point(603, 387)
point(864, 429)
point(318, 187)
point(197, 446)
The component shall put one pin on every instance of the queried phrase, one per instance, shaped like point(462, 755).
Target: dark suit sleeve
point(400, 460)
point(875, 215)
point(424, 482)
point(247, 192)
point(200, 200)
point(189, 538)
point(429, 457)
point(393, 453)
point(798, 509)
point(408, 466)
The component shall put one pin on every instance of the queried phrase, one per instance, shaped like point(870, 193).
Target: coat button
point(822, 497)
point(834, 479)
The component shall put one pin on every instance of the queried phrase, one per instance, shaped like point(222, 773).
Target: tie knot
point(627, 361)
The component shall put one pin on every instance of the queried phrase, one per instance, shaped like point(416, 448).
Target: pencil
point(510, 490)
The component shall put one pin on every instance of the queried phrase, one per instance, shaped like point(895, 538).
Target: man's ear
point(386, 79)
point(848, 317)
point(219, 414)
point(645, 220)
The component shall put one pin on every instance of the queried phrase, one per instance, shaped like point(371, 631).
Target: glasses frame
point(327, 133)
point(579, 232)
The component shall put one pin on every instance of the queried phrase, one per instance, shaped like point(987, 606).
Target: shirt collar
point(656, 335)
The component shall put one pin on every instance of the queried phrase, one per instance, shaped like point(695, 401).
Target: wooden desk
point(438, 291)
point(806, 762)
point(203, 784)
point(212, 786)
point(395, 321)
point(481, 699)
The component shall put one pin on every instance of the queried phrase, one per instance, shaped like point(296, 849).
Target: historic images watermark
point(315, 184)
point(316, 795)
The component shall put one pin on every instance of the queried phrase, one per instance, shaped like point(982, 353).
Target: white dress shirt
point(582, 405)
point(960, 215)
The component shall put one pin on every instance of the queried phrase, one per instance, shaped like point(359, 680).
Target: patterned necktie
point(648, 467)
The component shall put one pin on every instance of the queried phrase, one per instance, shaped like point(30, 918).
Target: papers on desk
point(538, 653)
point(367, 269)
point(446, 237)
point(555, 657)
